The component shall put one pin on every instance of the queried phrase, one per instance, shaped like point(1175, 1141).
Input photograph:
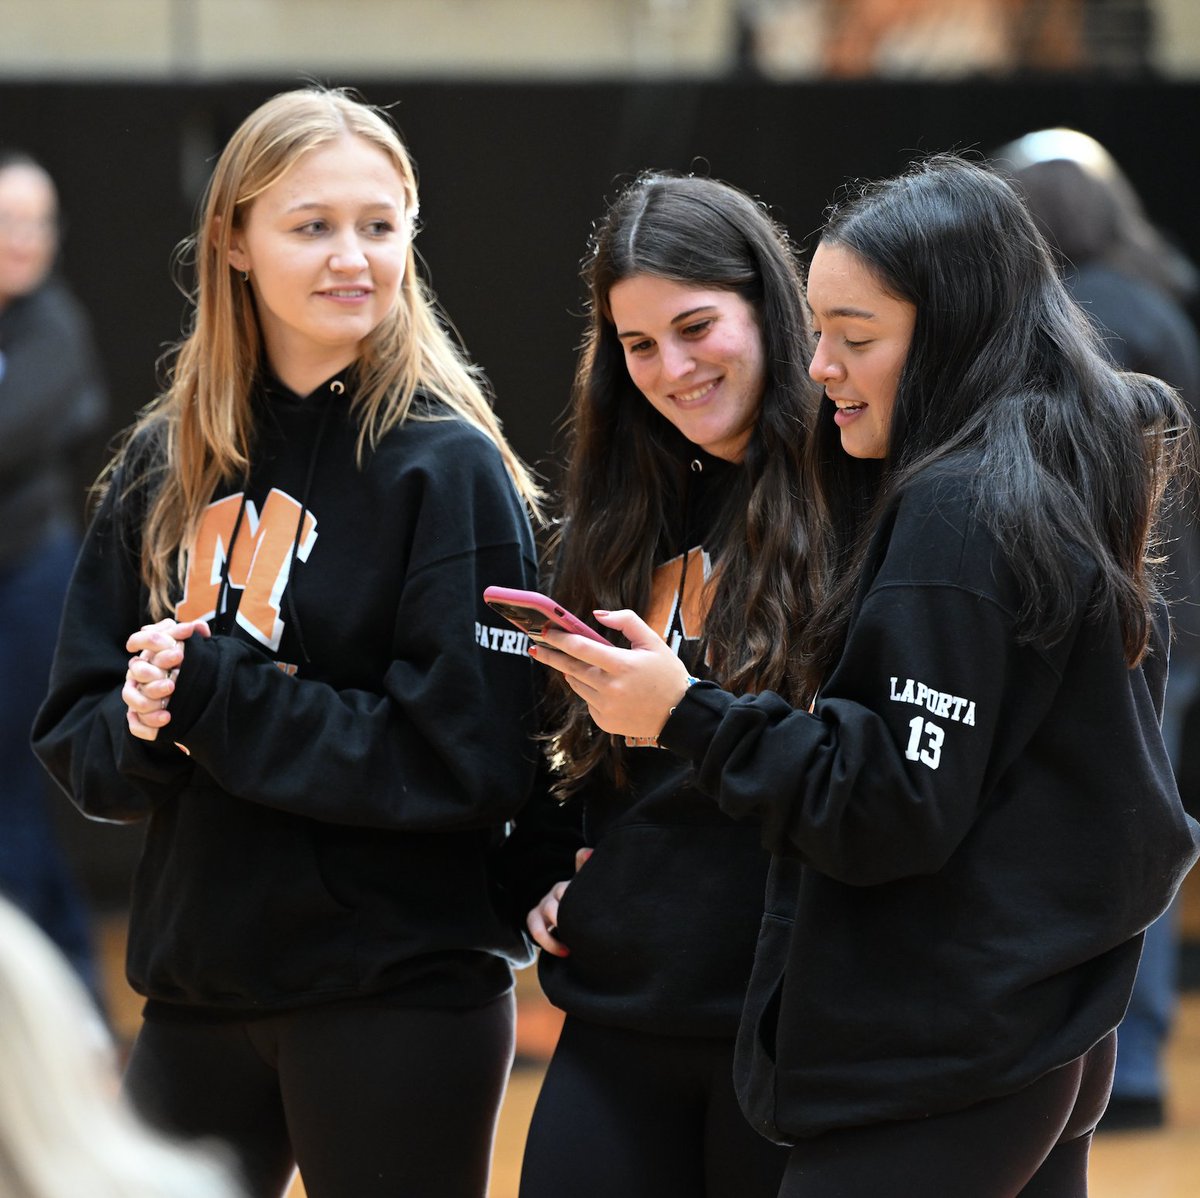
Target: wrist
point(691, 681)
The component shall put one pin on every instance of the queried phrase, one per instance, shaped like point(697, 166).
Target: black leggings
point(1033, 1143)
point(369, 1101)
point(628, 1115)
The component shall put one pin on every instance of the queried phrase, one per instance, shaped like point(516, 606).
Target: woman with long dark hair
point(975, 819)
point(688, 424)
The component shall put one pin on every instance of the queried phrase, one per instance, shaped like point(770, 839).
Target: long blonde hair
point(201, 425)
point(64, 1130)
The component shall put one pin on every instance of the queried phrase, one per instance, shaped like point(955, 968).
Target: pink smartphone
point(532, 612)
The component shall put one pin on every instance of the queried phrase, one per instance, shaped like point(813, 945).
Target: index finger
point(542, 929)
point(582, 648)
point(149, 637)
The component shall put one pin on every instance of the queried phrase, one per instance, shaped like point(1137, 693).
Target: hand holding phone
point(533, 613)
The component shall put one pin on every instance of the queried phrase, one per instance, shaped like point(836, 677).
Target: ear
point(236, 255)
point(238, 258)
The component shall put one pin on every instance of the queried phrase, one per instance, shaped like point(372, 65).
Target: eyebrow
point(317, 206)
point(849, 313)
point(674, 320)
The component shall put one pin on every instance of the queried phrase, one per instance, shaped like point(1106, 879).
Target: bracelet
point(690, 683)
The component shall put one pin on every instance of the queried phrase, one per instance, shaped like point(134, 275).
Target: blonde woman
point(275, 650)
point(63, 1130)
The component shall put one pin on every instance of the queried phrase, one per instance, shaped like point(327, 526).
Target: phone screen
point(528, 619)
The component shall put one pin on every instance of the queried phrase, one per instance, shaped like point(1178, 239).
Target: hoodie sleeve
point(541, 848)
point(80, 734)
point(445, 740)
point(884, 777)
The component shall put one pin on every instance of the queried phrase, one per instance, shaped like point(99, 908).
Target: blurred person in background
point(64, 1132)
point(52, 401)
point(1132, 283)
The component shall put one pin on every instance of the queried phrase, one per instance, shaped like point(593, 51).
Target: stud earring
point(245, 276)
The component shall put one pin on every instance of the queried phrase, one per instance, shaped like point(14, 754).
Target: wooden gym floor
point(1156, 1164)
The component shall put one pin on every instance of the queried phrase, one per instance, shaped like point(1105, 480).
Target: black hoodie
point(969, 836)
point(344, 752)
point(661, 920)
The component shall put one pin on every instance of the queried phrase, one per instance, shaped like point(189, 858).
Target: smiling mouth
point(696, 393)
point(848, 405)
point(347, 292)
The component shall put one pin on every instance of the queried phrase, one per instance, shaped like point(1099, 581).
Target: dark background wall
point(511, 179)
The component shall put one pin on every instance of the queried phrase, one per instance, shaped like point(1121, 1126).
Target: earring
point(245, 276)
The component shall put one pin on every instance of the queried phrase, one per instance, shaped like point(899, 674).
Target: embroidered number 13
point(932, 753)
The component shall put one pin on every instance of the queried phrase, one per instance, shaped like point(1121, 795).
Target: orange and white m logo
point(668, 608)
point(260, 564)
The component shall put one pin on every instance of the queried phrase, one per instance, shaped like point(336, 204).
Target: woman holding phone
point(688, 421)
point(976, 819)
point(269, 638)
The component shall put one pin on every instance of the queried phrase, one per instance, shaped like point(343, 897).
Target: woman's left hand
point(629, 692)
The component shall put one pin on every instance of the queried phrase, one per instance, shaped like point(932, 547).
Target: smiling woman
point(689, 420)
point(696, 354)
point(863, 336)
point(325, 248)
point(264, 655)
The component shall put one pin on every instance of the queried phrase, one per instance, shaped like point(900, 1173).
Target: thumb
point(581, 855)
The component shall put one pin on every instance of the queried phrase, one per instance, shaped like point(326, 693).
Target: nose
point(823, 369)
point(26, 230)
point(677, 361)
point(348, 257)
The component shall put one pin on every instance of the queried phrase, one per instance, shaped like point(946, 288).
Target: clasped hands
point(150, 679)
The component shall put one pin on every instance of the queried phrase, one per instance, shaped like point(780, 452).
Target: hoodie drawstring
point(289, 598)
point(696, 467)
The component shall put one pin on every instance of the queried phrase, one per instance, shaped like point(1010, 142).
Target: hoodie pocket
point(755, 1068)
point(231, 908)
point(660, 923)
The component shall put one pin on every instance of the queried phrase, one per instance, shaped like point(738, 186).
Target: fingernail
point(533, 651)
point(598, 612)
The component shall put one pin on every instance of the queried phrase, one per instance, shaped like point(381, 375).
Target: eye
point(312, 228)
point(380, 228)
point(698, 329)
point(639, 347)
point(856, 344)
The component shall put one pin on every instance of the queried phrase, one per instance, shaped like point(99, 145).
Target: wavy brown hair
point(198, 432)
point(625, 478)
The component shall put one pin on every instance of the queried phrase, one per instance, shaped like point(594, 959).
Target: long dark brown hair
point(1071, 455)
point(626, 469)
